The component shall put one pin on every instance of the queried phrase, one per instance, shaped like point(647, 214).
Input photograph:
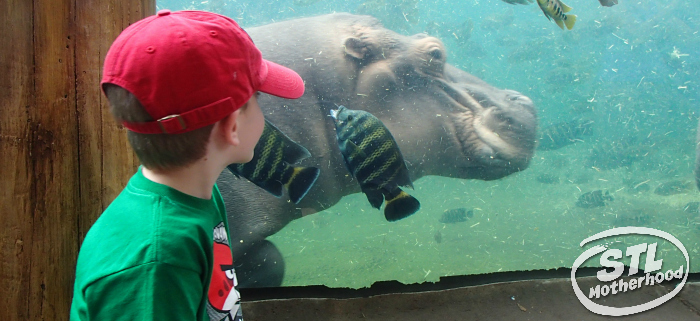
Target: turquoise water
point(632, 69)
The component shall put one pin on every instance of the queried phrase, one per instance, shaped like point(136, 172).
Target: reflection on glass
point(615, 100)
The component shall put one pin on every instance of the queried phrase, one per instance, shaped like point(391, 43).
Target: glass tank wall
point(616, 104)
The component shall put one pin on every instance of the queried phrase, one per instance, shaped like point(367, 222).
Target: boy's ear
point(229, 128)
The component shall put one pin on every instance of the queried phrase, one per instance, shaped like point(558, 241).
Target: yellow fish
point(555, 9)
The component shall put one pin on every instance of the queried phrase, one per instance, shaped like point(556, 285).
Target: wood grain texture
point(54, 160)
point(16, 97)
point(106, 159)
point(64, 158)
point(118, 160)
point(90, 102)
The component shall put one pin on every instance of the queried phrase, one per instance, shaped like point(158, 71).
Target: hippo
point(446, 122)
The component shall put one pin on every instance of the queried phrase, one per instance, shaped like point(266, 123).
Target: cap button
point(163, 12)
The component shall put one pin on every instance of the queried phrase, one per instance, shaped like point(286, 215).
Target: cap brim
point(282, 82)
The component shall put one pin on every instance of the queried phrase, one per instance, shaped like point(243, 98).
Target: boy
point(185, 85)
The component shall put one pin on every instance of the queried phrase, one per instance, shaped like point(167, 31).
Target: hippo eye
point(436, 54)
point(350, 118)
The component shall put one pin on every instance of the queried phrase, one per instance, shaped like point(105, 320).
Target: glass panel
point(616, 107)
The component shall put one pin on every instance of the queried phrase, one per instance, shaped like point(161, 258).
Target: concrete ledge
point(550, 299)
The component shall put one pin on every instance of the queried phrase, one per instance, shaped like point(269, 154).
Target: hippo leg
point(263, 266)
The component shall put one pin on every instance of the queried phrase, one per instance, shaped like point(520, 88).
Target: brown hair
point(156, 151)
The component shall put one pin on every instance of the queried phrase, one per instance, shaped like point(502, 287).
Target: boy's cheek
point(252, 154)
point(260, 131)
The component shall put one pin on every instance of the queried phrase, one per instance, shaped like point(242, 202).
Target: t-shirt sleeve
point(153, 291)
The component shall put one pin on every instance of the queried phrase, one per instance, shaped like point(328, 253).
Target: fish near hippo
point(445, 121)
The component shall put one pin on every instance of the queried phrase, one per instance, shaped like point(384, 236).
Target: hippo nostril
point(436, 54)
point(508, 121)
point(518, 98)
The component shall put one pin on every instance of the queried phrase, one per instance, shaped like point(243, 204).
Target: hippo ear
point(355, 47)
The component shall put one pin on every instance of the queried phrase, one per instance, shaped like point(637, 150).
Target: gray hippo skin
point(446, 122)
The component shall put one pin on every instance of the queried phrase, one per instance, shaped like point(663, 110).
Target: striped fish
point(594, 199)
point(554, 10)
point(271, 167)
point(372, 156)
point(456, 215)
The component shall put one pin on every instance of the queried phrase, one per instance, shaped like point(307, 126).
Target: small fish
point(593, 199)
point(456, 215)
point(373, 158)
point(563, 134)
point(607, 3)
point(271, 167)
point(555, 9)
point(672, 188)
point(438, 237)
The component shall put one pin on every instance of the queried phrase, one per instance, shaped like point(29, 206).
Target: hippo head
point(446, 121)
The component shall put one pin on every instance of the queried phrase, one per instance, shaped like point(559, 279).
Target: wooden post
point(64, 159)
point(16, 97)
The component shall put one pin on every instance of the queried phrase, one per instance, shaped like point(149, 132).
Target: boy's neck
point(196, 180)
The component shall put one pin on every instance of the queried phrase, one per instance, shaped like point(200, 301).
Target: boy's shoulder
point(142, 226)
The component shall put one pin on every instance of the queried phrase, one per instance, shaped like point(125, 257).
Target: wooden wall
point(63, 159)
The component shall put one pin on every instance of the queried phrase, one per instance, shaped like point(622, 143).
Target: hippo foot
point(260, 266)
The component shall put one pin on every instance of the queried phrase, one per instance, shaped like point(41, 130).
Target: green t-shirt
point(152, 255)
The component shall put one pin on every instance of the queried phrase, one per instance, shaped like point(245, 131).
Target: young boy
point(185, 85)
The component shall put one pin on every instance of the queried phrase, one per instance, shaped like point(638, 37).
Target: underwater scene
point(614, 86)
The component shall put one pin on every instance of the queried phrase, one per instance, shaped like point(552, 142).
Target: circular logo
point(614, 311)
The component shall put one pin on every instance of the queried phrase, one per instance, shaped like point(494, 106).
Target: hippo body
point(446, 122)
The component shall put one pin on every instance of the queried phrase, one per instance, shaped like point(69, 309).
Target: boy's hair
point(156, 151)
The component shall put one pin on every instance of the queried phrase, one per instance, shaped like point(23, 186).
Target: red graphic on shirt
point(222, 279)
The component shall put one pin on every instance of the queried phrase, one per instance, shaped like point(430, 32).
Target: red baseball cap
point(190, 69)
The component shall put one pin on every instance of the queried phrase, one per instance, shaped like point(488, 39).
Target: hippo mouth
point(492, 132)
